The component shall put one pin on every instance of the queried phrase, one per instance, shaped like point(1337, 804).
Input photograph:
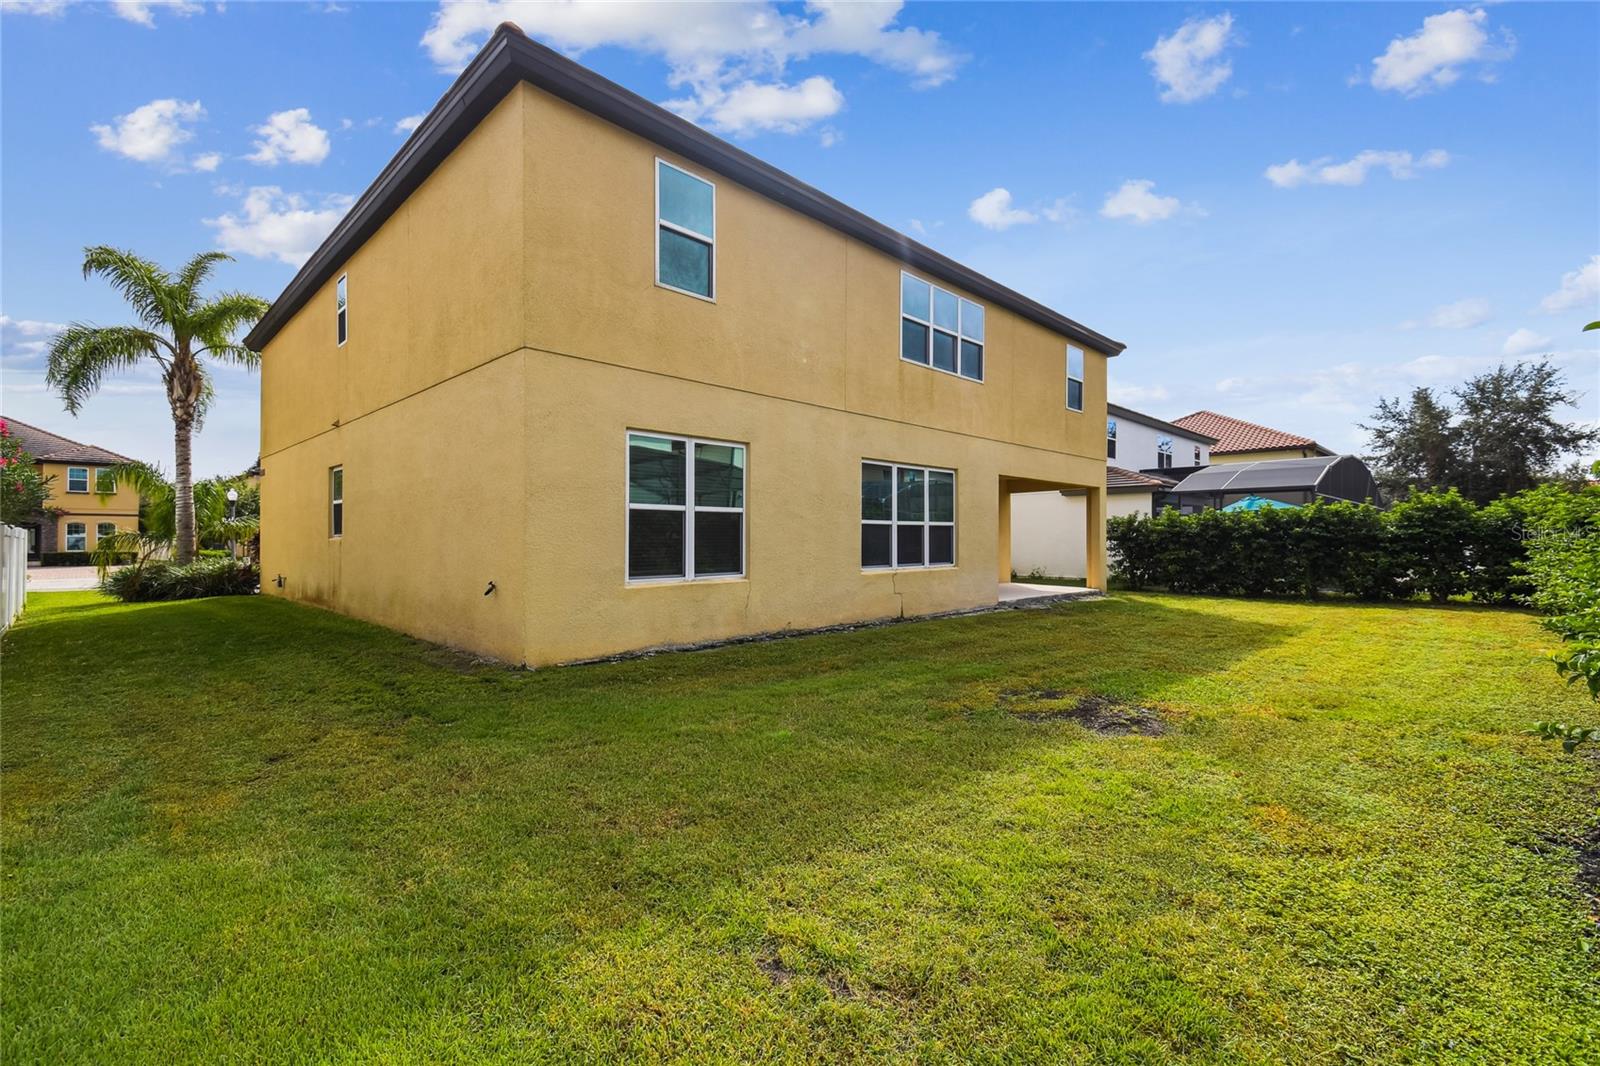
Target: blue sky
point(1284, 210)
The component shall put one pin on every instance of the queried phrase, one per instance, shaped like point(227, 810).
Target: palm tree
point(176, 327)
point(158, 532)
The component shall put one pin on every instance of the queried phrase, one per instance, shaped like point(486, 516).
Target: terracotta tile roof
point(52, 447)
point(1119, 479)
point(1237, 435)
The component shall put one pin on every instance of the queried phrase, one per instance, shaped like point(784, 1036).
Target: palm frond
point(203, 402)
point(142, 546)
point(196, 270)
point(215, 322)
point(81, 355)
point(142, 283)
point(234, 355)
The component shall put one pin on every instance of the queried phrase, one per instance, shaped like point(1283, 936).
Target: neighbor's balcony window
point(77, 537)
point(77, 480)
point(1074, 378)
point(685, 518)
point(1111, 438)
point(1163, 453)
point(686, 221)
point(940, 329)
point(908, 516)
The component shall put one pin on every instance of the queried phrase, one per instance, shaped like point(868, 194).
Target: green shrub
point(196, 580)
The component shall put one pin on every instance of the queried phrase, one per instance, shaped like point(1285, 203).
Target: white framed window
point(104, 530)
point(341, 304)
point(77, 537)
point(336, 502)
point(77, 479)
point(1197, 455)
point(105, 481)
point(686, 232)
point(1164, 453)
point(1111, 438)
point(685, 508)
point(939, 329)
point(1074, 378)
point(908, 516)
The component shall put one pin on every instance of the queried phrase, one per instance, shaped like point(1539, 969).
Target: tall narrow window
point(1164, 453)
point(1111, 438)
point(1074, 378)
point(77, 479)
point(908, 516)
point(105, 481)
point(1197, 455)
point(342, 307)
point(685, 508)
point(336, 502)
point(940, 329)
point(77, 537)
point(686, 219)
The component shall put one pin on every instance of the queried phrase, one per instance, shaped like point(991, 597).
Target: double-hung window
point(1164, 453)
point(686, 229)
point(685, 508)
point(341, 304)
point(105, 481)
point(77, 479)
point(1111, 438)
point(77, 537)
point(940, 329)
point(1074, 378)
point(336, 502)
point(908, 516)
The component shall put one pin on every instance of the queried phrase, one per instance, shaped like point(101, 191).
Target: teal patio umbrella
point(1259, 503)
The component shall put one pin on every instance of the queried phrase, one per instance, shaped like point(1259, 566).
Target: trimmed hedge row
point(76, 559)
point(1434, 544)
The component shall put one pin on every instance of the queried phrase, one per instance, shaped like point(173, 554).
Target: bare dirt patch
point(782, 976)
point(1106, 715)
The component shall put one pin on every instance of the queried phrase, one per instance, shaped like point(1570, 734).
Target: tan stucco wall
point(506, 332)
point(120, 508)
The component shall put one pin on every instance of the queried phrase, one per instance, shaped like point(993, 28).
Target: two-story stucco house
point(575, 377)
point(85, 503)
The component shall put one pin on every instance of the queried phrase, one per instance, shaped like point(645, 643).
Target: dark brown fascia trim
point(1136, 416)
point(510, 57)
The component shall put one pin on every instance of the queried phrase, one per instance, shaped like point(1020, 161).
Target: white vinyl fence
point(13, 573)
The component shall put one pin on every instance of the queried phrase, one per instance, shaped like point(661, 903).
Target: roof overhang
point(510, 58)
point(1116, 410)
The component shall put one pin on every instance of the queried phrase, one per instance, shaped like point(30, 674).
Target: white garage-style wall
point(1047, 530)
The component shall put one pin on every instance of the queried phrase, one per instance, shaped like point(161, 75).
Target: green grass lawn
point(249, 831)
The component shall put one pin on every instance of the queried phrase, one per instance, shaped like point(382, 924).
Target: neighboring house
point(1145, 457)
point(85, 501)
point(575, 377)
point(1239, 441)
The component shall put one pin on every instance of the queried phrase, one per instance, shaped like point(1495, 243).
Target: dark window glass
point(876, 545)
point(1111, 447)
point(877, 487)
point(941, 545)
point(908, 496)
point(685, 262)
point(913, 341)
point(1075, 395)
point(944, 351)
point(941, 496)
point(718, 475)
point(718, 542)
point(655, 470)
point(338, 518)
point(655, 543)
point(972, 360)
point(909, 540)
point(77, 479)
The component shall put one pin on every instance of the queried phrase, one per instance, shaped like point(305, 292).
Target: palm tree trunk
point(183, 482)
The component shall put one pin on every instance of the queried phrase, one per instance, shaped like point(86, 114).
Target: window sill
point(660, 582)
point(908, 569)
point(686, 292)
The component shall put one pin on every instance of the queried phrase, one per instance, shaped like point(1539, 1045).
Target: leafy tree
point(1414, 444)
point(158, 517)
point(177, 326)
point(23, 489)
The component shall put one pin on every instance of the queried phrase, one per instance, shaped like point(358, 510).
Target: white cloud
point(731, 57)
point(43, 8)
point(1189, 63)
point(1135, 201)
point(1524, 341)
point(272, 224)
point(206, 161)
point(752, 107)
point(1463, 314)
point(1130, 395)
point(290, 137)
point(24, 341)
point(993, 210)
point(1353, 171)
point(1432, 57)
point(405, 125)
point(1579, 288)
point(152, 133)
point(143, 11)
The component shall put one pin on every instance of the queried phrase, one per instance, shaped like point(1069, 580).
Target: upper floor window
point(1163, 452)
point(105, 481)
point(1111, 438)
point(1197, 455)
point(908, 516)
point(77, 479)
point(685, 508)
point(77, 537)
point(342, 307)
point(940, 329)
point(686, 221)
point(1074, 378)
point(336, 502)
